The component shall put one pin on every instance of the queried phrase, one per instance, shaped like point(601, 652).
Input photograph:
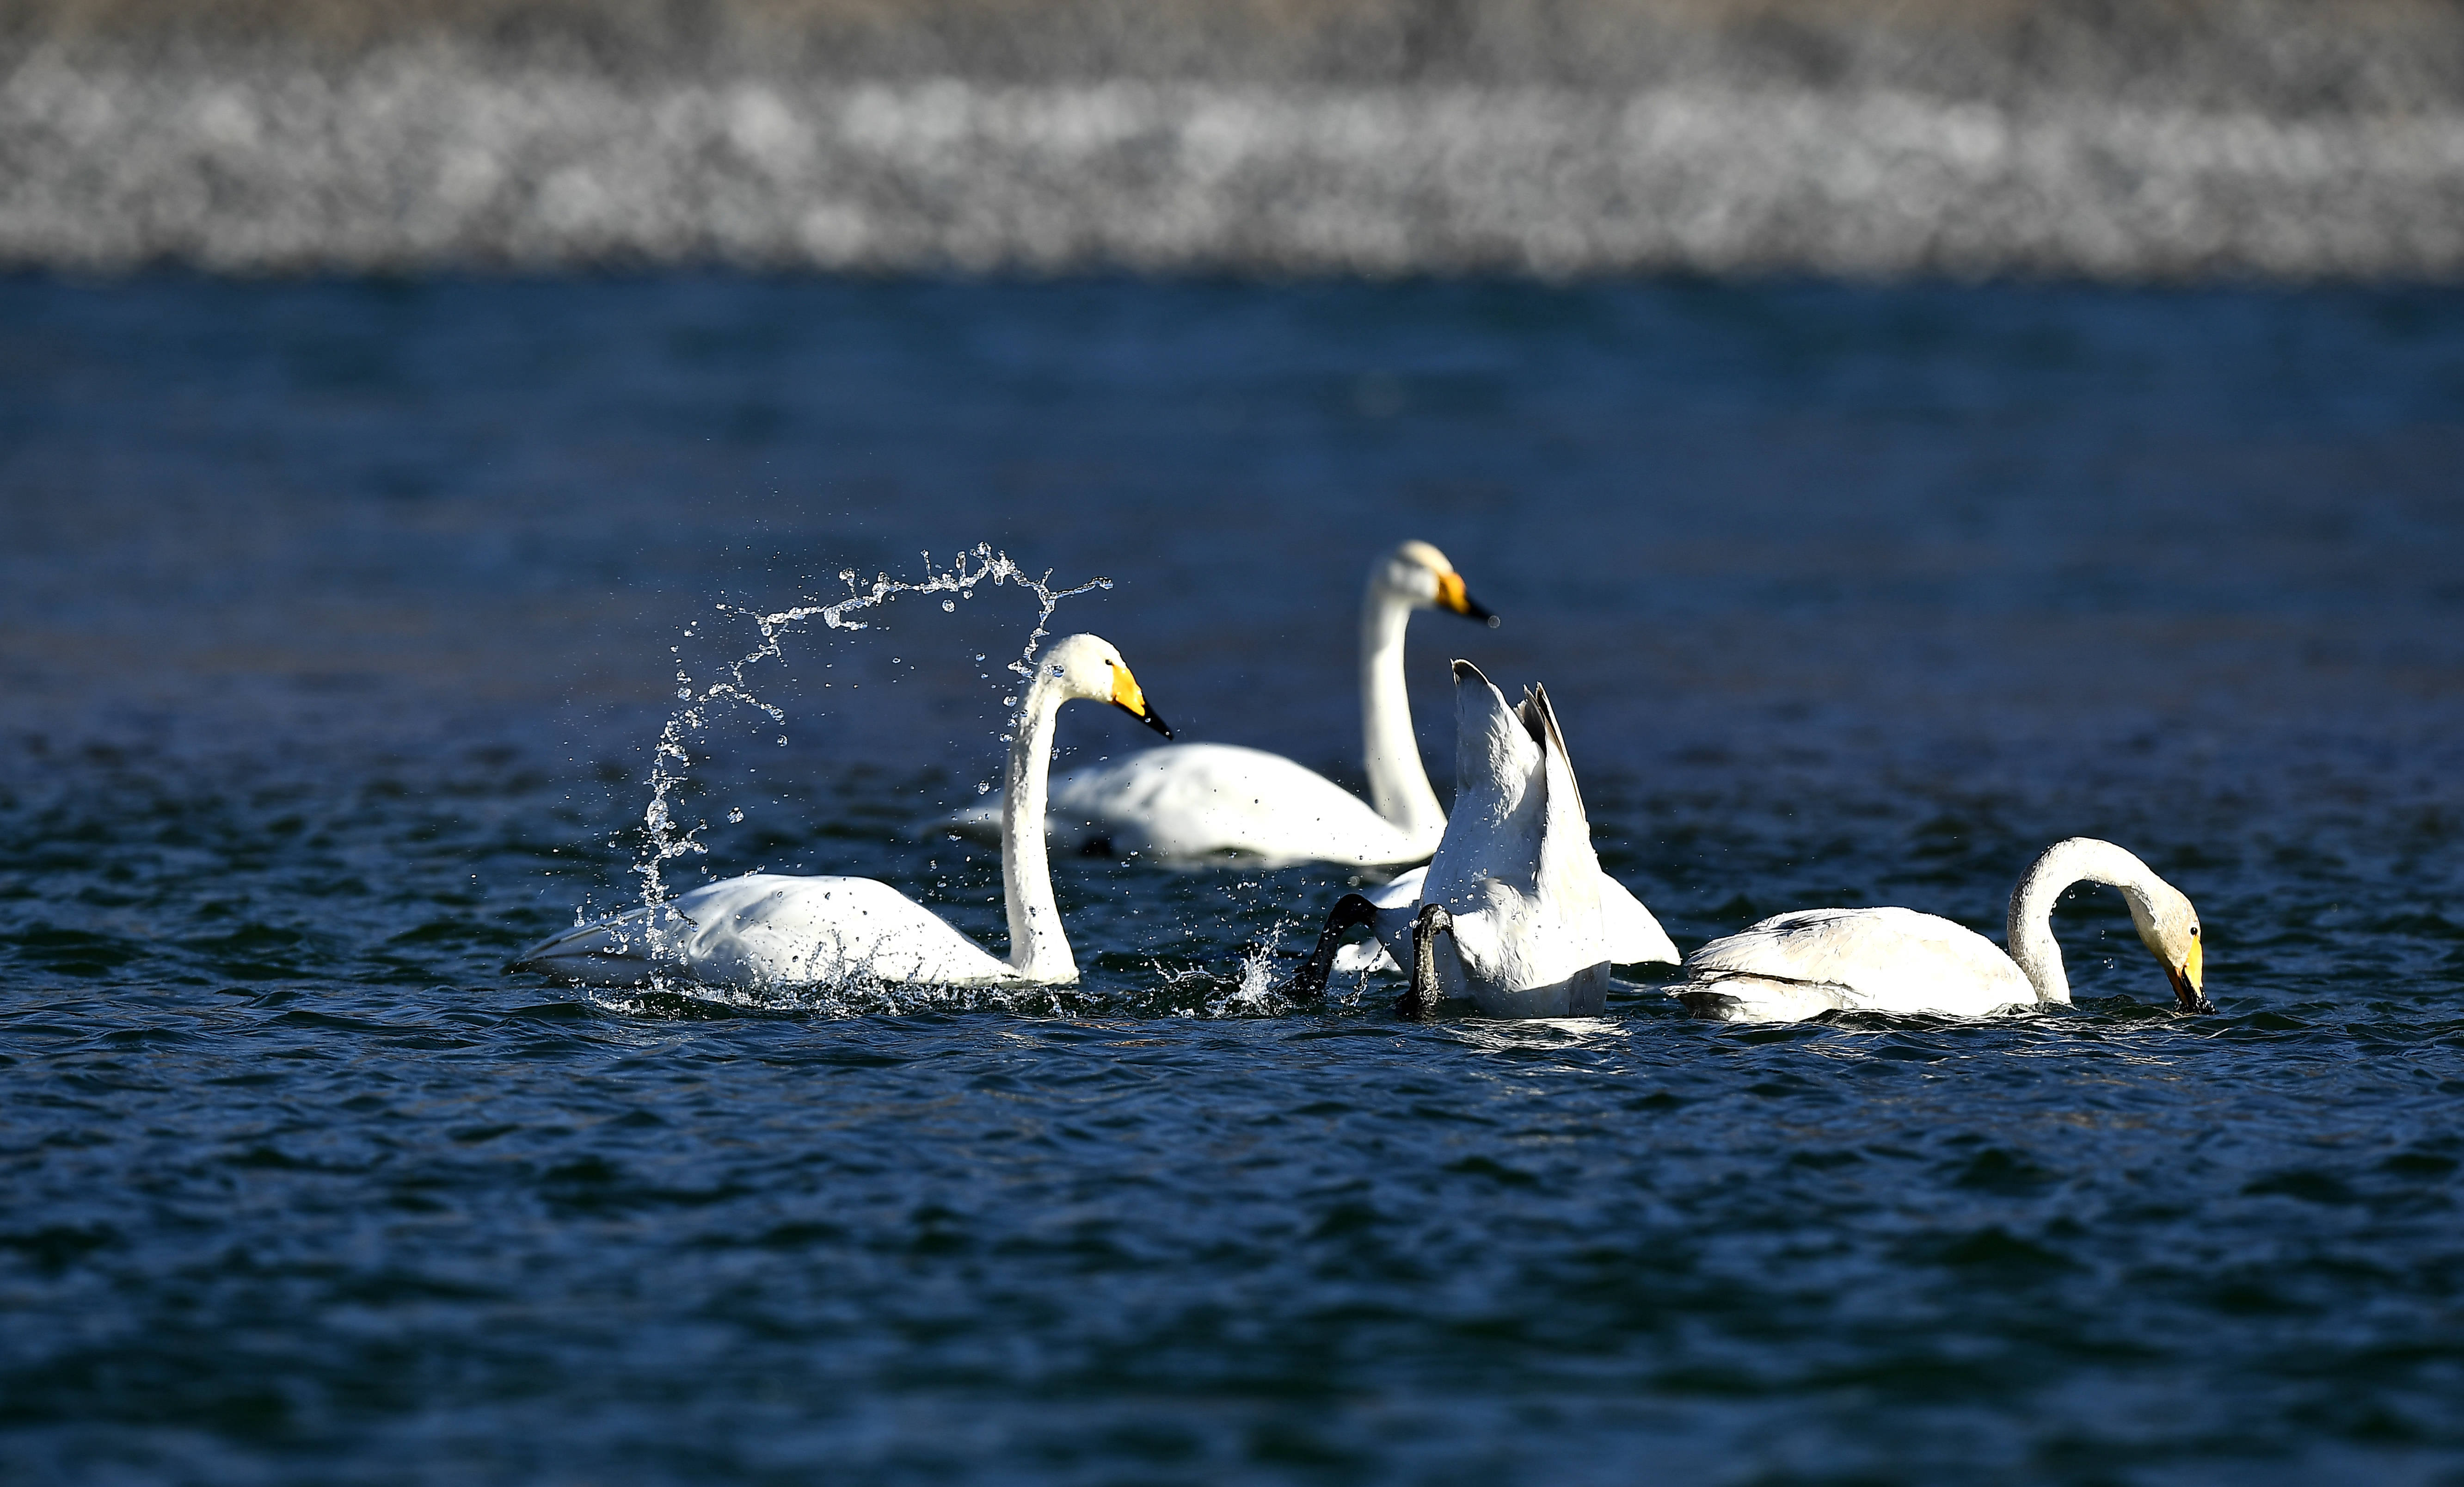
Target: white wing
point(1633, 935)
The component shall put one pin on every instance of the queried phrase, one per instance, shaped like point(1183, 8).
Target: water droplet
point(983, 789)
point(684, 694)
point(737, 814)
point(949, 607)
point(782, 740)
point(1009, 701)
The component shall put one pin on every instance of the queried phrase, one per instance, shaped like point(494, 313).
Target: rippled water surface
point(338, 628)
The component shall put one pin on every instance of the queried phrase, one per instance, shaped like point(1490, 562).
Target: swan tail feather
point(1542, 720)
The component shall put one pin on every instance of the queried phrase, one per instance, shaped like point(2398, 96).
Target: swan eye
point(2195, 931)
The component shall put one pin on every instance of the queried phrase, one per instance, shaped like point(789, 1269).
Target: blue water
point(334, 630)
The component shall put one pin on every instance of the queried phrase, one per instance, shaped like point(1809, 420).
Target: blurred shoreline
point(2156, 142)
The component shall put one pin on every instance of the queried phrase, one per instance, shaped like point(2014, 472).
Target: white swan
point(1801, 964)
point(766, 928)
point(1634, 937)
point(1196, 802)
point(1512, 913)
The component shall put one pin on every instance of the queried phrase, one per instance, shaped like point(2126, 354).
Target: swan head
point(1420, 576)
point(1088, 669)
point(2170, 927)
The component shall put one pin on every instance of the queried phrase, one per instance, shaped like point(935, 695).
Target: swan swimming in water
point(1801, 964)
point(1196, 802)
point(767, 929)
point(1513, 912)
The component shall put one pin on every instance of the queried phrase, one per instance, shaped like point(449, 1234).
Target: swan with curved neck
point(1801, 964)
point(1195, 803)
point(767, 929)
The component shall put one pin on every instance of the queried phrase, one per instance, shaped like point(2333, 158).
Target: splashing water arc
point(662, 839)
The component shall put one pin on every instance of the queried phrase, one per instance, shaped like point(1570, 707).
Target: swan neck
point(2081, 859)
point(1038, 950)
point(1399, 782)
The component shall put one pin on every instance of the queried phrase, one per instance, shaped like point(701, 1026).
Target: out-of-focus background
point(2173, 138)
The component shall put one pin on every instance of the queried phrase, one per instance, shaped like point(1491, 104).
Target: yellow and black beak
point(1129, 699)
point(1454, 597)
point(2187, 998)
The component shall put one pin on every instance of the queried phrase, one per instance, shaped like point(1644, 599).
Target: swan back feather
point(1885, 958)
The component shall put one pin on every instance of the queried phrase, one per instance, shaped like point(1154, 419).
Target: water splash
point(1195, 992)
point(662, 837)
point(1253, 992)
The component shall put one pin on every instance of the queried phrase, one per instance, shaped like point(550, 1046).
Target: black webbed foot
point(1350, 912)
point(1420, 1001)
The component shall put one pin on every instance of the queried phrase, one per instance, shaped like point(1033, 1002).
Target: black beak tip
point(2188, 1003)
point(1152, 720)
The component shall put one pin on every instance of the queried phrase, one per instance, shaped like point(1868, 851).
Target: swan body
point(1516, 876)
point(1634, 936)
point(1196, 803)
point(1798, 966)
point(775, 929)
point(1190, 802)
point(767, 929)
point(1510, 912)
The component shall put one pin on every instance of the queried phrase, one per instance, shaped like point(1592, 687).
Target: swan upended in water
point(1634, 937)
point(1195, 802)
point(1513, 914)
point(1801, 964)
point(768, 928)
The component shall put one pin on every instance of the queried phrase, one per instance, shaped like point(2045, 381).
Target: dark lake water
point(336, 628)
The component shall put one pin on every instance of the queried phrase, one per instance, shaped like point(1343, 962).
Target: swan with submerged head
point(1191, 803)
point(1513, 912)
point(1798, 966)
point(1634, 937)
point(767, 929)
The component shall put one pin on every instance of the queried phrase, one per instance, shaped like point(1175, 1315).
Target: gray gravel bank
point(1563, 137)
